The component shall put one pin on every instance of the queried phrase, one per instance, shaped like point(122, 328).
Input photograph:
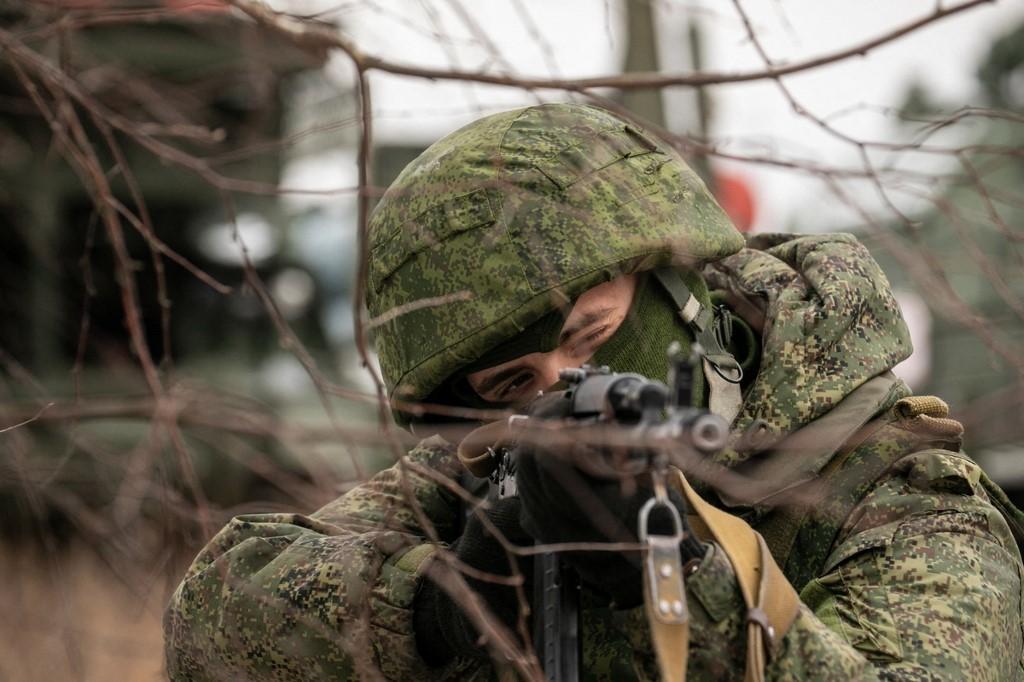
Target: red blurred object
point(736, 199)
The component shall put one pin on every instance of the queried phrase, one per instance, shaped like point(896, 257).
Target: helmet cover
point(515, 215)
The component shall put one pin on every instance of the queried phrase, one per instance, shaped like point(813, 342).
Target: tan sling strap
point(474, 451)
point(771, 602)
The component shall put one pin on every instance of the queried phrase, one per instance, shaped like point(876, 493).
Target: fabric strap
point(772, 603)
point(721, 370)
point(474, 451)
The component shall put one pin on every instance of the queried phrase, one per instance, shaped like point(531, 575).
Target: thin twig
point(320, 38)
point(31, 419)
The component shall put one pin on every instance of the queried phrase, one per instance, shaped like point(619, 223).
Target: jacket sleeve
point(925, 585)
point(286, 596)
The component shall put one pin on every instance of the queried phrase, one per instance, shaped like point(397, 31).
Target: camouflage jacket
point(898, 544)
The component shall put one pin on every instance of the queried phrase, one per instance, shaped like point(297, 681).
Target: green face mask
point(641, 343)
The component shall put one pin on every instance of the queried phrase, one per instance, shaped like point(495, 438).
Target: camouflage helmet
point(514, 215)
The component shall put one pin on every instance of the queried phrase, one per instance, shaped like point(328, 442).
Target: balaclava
point(539, 337)
point(639, 345)
point(641, 342)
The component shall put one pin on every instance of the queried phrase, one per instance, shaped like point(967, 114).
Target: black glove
point(561, 503)
point(443, 631)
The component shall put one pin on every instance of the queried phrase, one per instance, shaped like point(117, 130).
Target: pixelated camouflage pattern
point(849, 478)
point(513, 216)
point(831, 324)
point(923, 584)
point(920, 578)
point(326, 596)
point(607, 655)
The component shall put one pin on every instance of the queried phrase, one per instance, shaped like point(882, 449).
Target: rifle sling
point(772, 603)
point(474, 451)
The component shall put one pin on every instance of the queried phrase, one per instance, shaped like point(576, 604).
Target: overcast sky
point(578, 38)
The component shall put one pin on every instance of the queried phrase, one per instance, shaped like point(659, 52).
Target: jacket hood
point(829, 325)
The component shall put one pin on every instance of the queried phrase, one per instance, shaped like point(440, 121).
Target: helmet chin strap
point(711, 328)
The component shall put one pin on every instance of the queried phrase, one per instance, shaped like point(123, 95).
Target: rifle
point(662, 418)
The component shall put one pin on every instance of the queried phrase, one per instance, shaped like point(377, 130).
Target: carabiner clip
point(663, 563)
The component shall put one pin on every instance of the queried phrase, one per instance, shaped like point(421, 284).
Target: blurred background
point(179, 201)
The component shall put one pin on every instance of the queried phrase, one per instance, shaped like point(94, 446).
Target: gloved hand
point(443, 631)
point(562, 503)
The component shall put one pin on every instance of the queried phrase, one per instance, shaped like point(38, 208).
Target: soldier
point(562, 234)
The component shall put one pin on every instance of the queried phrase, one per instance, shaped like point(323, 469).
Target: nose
point(552, 364)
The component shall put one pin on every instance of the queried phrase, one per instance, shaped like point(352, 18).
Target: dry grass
point(69, 615)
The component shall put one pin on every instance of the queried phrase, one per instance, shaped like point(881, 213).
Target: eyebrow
point(584, 322)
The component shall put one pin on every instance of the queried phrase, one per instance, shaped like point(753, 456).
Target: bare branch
point(318, 38)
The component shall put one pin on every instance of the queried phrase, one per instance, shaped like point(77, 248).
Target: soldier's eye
point(587, 343)
point(515, 385)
